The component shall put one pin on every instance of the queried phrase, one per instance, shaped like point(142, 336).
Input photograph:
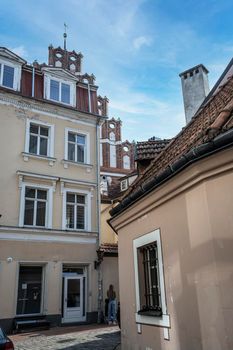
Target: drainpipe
point(100, 279)
point(33, 81)
point(89, 98)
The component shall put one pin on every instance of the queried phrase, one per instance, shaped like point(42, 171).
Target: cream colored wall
point(53, 255)
point(109, 268)
point(194, 214)
point(107, 234)
point(12, 144)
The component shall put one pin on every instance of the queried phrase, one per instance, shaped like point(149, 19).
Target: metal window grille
point(150, 279)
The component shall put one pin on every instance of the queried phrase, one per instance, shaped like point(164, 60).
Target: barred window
point(148, 267)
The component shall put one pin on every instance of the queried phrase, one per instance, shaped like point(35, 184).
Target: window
point(29, 290)
point(149, 281)
point(126, 162)
point(75, 211)
point(124, 185)
point(7, 75)
point(35, 209)
point(38, 143)
point(150, 298)
point(39, 138)
point(36, 205)
point(59, 91)
point(76, 147)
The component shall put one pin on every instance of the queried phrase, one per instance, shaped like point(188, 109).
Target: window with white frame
point(76, 209)
point(77, 146)
point(60, 91)
point(36, 201)
point(9, 75)
point(36, 205)
point(39, 138)
point(149, 280)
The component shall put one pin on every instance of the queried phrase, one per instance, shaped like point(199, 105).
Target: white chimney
point(195, 88)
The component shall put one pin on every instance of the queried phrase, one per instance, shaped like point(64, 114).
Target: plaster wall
point(194, 214)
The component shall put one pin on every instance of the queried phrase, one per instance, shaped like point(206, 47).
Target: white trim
point(88, 195)
point(50, 137)
point(46, 110)
point(164, 320)
point(26, 157)
point(17, 73)
point(112, 174)
point(49, 206)
point(87, 150)
point(38, 176)
point(72, 84)
point(35, 236)
point(77, 182)
point(111, 142)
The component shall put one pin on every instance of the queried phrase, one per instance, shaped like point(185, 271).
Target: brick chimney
point(195, 88)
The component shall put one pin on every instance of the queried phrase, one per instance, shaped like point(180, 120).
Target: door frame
point(83, 285)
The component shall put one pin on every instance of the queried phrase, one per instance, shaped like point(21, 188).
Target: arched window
point(126, 162)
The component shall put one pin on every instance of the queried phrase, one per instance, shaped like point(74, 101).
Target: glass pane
point(80, 198)
point(54, 90)
point(65, 93)
point(71, 151)
point(80, 154)
point(44, 131)
point(41, 194)
point(71, 136)
point(73, 293)
point(70, 197)
point(43, 146)
point(81, 139)
point(8, 76)
point(29, 212)
point(29, 290)
point(33, 144)
point(30, 192)
point(40, 213)
point(34, 129)
point(80, 217)
point(70, 216)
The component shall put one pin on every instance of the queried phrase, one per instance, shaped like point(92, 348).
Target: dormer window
point(59, 91)
point(9, 75)
point(60, 88)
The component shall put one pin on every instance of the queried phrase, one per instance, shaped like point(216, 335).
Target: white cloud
point(20, 51)
point(140, 41)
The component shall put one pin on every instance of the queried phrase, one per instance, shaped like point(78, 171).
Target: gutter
point(219, 143)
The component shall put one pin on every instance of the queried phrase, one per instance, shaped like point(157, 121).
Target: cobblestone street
point(70, 338)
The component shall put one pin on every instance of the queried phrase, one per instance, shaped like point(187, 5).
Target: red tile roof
point(109, 248)
point(150, 149)
point(215, 117)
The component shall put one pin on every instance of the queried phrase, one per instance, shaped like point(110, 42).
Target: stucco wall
point(194, 214)
point(52, 256)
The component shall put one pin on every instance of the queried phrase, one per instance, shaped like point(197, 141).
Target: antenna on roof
point(65, 35)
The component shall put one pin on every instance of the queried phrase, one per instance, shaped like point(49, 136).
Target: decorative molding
point(27, 156)
point(39, 107)
point(37, 176)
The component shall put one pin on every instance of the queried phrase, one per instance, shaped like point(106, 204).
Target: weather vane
point(65, 35)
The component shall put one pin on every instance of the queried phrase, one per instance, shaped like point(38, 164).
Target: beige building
point(49, 203)
point(175, 230)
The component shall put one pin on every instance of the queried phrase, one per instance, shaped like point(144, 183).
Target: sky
point(135, 48)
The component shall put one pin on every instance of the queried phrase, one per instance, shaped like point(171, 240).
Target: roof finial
point(65, 35)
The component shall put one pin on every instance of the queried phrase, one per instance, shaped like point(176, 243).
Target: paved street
point(70, 338)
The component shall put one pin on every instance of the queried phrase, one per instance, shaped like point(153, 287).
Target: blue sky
point(135, 48)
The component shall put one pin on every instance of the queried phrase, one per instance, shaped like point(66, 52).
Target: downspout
point(100, 279)
point(33, 81)
point(89, 98)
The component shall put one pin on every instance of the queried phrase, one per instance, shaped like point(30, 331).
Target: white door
point(73, 299)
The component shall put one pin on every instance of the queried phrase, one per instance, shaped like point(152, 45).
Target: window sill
point(152, 313)
point(162, 321)
point(26, 157)
point(67, 163)
point(61, 103)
